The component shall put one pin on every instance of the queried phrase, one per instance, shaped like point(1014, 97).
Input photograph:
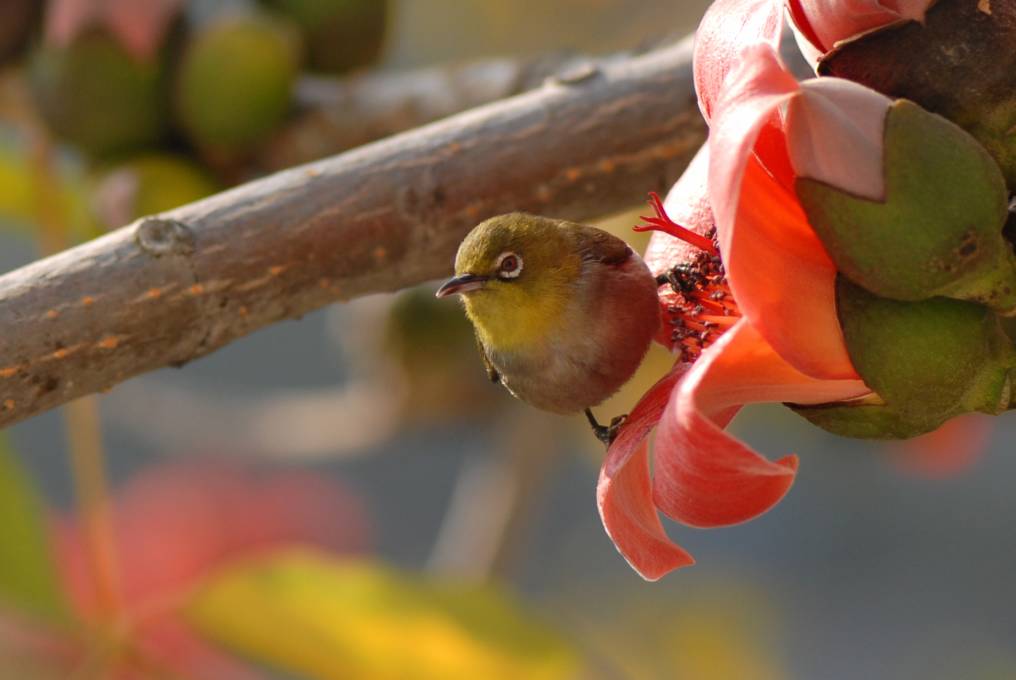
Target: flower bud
point(936, 230)
point(927, 361)
point(820, 24)
point(960, 62)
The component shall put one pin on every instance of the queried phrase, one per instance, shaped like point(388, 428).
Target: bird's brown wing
point(492, 373)
point(596, 244)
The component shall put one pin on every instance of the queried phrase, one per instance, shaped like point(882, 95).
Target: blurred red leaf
point(174, 526)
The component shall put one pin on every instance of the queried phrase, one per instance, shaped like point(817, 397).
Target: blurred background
point(346, 496)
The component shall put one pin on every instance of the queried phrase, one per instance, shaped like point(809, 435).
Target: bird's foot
point(606, 433)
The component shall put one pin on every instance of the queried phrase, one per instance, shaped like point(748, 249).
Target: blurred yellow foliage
point(718, 629)
point(332, 619)
point(710, 643)
point(23, 193)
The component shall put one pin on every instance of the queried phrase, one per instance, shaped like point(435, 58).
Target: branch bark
point(168, 289)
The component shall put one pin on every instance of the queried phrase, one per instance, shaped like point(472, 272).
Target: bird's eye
point(509, 265)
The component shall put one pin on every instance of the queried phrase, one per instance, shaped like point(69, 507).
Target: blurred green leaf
point(28, 578)
point(332, 618)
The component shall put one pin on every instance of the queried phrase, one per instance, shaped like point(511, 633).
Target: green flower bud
point(927, 361)
point(938, 230)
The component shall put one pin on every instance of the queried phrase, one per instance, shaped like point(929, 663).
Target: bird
point(563, 312)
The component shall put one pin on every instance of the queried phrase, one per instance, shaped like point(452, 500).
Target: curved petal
point(624, 496)
point(778, 270)
point(807, 40)
point(823, 23)
point(835, 131)
point(703, 477)
point(727, 27)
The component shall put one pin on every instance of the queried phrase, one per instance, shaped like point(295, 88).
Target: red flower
point(820, 24)
point(758, 323)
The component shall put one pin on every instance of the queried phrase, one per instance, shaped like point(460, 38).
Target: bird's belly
point(560, 383)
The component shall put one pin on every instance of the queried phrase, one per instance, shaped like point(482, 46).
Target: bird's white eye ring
point(509, 265)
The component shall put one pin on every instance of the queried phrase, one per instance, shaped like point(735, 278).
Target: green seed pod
point(235, 81)
point(340, 35)
point(927, 361)
point(98, 97)
point(863, 421)
point(938, 230)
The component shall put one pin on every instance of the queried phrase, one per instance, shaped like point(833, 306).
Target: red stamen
point(725, 321)
point(712, 304)
point(662, 222)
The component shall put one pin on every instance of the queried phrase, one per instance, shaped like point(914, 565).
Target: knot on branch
point(576, 74)
point(157, 237)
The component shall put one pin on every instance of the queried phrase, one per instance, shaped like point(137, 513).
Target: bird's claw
point(606, 433)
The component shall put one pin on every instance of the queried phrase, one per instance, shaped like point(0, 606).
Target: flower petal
point(778, 270)
point(624, 496)
point(727, 27)
point(703, 477)
point(825, 22)
point(836, 134)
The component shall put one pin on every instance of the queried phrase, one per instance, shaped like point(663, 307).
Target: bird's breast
point(591, 347)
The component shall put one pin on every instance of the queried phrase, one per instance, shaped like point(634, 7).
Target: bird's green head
point(516, 274)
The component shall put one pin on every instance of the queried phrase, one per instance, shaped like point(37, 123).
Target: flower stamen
point(698, 305)
point(662, 222)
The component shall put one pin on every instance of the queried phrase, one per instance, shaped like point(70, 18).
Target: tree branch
point(163, 291)
point(336, 114)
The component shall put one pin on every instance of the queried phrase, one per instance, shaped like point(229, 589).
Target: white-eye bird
point(563, 312)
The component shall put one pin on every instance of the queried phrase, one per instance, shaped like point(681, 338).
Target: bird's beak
point(461, 284)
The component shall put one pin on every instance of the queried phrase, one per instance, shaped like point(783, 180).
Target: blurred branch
point(495, 496)
point(344, 421)
point(83, 428)
point(337, 114)
point(379, 218)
